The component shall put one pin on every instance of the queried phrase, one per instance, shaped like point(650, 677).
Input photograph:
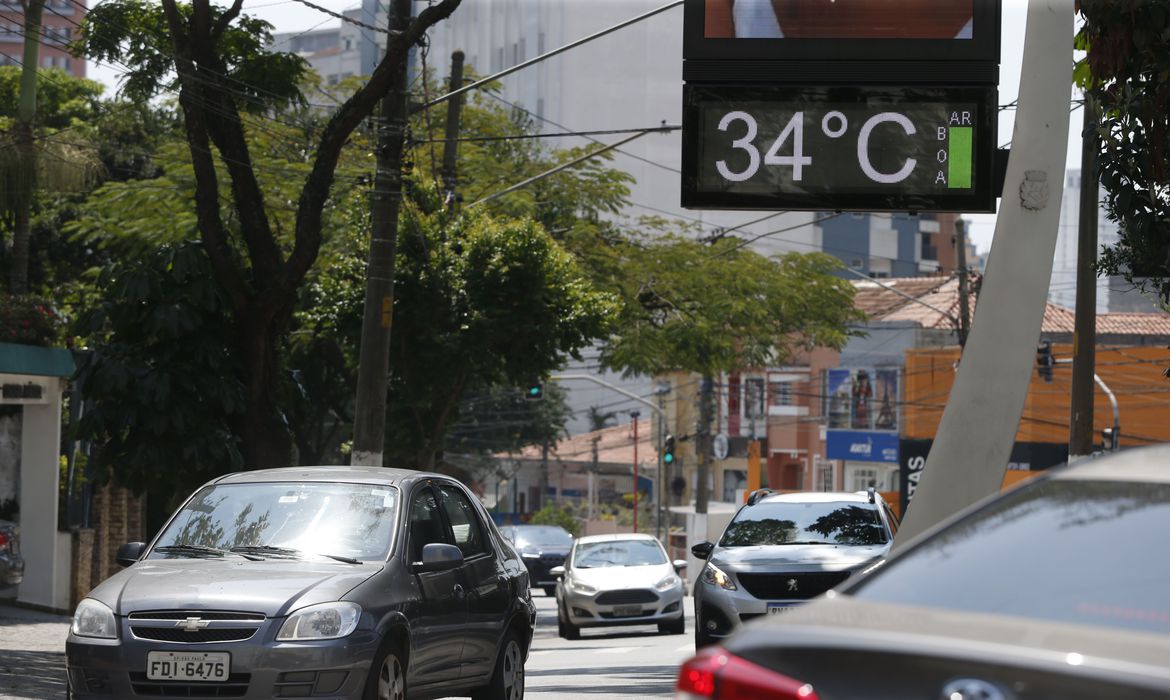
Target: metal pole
point(634, 416)
point(1080, 438)
point(1116, 437)
point(964, 302)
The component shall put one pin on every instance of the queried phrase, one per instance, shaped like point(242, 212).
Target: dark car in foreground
point(331, 582)
point(542, 547)
point(1055, 589)
point(11, 560)
point(783, 549)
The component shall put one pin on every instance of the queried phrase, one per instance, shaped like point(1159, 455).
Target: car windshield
point(791, 522)
point(332, 519)
point(542, 536)
point(1069, 551)
point(590, 555)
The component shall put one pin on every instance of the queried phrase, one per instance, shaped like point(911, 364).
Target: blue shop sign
point(862, 446)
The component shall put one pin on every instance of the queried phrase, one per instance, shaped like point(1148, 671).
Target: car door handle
point(460, 594)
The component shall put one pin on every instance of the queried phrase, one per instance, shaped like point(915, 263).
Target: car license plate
point(627, 610)
point(188, 665)
point(779, 608)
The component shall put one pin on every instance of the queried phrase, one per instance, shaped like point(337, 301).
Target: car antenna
point(756, 495)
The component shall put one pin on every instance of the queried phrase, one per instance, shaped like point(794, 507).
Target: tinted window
point(426, 525)
point(354, 520)
point(464, 521)
point(618, 553)
point(1070, 551)
point(803, 523)
point(540, 535)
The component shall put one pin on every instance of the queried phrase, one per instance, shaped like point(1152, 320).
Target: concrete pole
point(1081, 438)
point(974, 441)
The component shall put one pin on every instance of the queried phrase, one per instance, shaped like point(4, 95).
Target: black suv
point(542, 547)
point(345, 582)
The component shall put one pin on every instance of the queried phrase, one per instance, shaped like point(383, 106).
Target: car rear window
point(792, 522)
point(1086, 552)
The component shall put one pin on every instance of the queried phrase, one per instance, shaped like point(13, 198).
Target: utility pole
point(964, 302)
point(451, 143)
point(1080, 437)
point(703, 443)
point(369, 420)
point(634, 417)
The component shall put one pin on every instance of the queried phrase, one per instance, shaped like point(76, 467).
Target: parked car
point(782, 549)
point(341, 582)
point(1054, 589)
point(622, 579)
point(542, 547)
point(11, 560)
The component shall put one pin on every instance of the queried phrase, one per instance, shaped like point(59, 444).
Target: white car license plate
point(779, 608)
point(627, 610)
point(188, 665)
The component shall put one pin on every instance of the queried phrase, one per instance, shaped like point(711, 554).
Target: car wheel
point(550, 591)
point(701, 639)
point(565, 627)
point(508, 678)
point(387, 680)
point(678, 626)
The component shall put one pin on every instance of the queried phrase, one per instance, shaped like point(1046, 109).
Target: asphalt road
point(607, 664)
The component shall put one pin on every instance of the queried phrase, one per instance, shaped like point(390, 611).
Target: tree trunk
point(264, 433)
point(26, 113)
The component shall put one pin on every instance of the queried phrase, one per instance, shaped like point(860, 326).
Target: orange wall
point(1134, 374)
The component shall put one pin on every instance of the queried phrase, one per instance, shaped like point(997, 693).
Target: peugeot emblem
point(791, 585)
point(192, 624)
point(971, 689)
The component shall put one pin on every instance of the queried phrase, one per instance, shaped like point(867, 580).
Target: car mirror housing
point(438, 557)
point(679, 564)
point(129, 553)
point(557, 571)
point(702, 550)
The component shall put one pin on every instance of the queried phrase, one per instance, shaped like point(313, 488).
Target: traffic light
point(534, 391)
point(668, 450)
point(1044, 360)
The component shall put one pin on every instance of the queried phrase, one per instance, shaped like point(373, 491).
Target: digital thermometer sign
point(864, 148)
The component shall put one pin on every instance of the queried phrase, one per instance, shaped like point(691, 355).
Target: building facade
point(59, 25)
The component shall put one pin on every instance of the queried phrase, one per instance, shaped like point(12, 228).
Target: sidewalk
point(32, 653)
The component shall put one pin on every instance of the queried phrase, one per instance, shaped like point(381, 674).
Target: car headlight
point(714, 576)
point(324, 621)
point(529, 555)
point(579, 587)
point(94, 619)
point(668, 582)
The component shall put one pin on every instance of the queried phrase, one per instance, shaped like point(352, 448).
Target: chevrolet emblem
point(192, 624)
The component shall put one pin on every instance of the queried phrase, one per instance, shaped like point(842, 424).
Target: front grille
point(207, 626)
point(180, 635)
point(627, 597)
point(236, 686)
point(552, 559)
point(801, 585)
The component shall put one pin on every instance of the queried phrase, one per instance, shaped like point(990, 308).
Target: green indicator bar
point(959, 157)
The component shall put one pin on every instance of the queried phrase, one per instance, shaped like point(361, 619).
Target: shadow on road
point(36, 675)
point(637, 681)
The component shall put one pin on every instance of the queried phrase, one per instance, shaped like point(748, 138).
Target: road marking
point(540, 652)
point(617, 650)
point(686, 647)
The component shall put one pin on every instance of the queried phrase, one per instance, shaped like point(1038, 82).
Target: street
point(619, 662)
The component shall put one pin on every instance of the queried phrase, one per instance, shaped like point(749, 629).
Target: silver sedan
point(622, 579)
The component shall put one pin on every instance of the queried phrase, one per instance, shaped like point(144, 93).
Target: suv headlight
point(668, 582)
point(714, 576)
point(579, 587)
point(324, 621)
point(94, 619)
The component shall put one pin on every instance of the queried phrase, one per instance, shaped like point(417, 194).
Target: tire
point(701, 639)
point(550, 591)
point(679, 626)
point(565, 627)
point(387, 679)
point(507, 681)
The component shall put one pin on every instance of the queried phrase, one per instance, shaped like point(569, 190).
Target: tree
point(1127, 73)
point(716, 308)
point(215, 59)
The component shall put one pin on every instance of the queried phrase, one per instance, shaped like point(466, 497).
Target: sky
point(294, 16)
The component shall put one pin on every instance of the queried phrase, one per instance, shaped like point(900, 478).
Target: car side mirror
point(129, 553)
point(702, 550)
point(679, 565)
point(438, 556)
point(557, 571)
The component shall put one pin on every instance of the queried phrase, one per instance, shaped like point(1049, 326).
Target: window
point(861, 479)
point(464, 521)
point(426, 526)
point(781, 393)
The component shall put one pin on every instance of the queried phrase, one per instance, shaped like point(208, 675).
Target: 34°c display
point(867, 148)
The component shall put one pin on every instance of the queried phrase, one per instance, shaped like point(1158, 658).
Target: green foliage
point(720, 307)
point(500, 419)
point(63, 100)
point(1127, 73)
point(164, 393)
point(560, 516)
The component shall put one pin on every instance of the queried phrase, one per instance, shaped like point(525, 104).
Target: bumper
point(639, 607)
point(333, 669)
point(11, 569)
point(538, 569)
point(719, 612)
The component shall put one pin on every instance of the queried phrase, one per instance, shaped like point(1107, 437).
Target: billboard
point(862, 414)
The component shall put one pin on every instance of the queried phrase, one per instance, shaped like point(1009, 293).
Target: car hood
point(272, 586)
point(828, 557)
point(540, 549)
point(619, 577)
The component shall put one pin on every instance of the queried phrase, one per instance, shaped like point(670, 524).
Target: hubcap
point(391, 681)
point(513, 672)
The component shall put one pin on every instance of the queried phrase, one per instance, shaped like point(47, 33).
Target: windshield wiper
point(346, 560)
point(290, 552)
point(198, 549)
